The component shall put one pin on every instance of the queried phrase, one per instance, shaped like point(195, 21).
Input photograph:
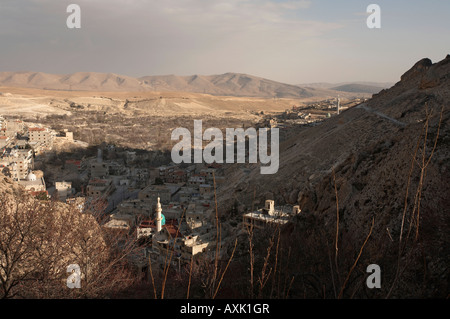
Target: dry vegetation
point(40, 239)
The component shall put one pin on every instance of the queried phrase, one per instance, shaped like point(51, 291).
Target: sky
point(290, 41)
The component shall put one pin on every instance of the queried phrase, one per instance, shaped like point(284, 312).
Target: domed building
point(31, 177)
point(34, 183)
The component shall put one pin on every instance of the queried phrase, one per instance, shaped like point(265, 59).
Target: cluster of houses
point(314, 111)
point(174, 214)
point(19, 145)
point(132, 194)
point(166, 209)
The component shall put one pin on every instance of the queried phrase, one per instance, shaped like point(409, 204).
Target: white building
point(64, 190)
point(17, 163)
point(269, 216)
point(33, 184)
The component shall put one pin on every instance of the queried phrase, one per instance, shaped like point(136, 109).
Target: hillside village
point(159, 207)
point(308, 114)
point(354, 151)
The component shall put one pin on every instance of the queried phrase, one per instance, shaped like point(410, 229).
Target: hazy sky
point(295, 41)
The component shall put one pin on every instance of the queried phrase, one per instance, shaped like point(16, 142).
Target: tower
point(270, 206)
point(158, 216)
point(338, 104)
point(99, 155)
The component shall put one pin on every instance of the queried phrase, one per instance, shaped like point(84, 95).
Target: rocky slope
point(371, 149)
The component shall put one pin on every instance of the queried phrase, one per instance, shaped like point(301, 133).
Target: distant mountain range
point(358, 88)
point(228, 84)
point(327, 85)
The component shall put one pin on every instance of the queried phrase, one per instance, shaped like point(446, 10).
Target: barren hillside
point(228, 84)
point(371, 149)
point(37, 102)
point(232, 84)
point(392, 115)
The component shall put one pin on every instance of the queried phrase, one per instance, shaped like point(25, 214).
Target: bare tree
point(40, 239)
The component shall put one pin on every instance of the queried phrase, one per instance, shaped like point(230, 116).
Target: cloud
point(141, 37)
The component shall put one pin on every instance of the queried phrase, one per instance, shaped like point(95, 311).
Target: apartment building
point(41, 135)
point(17, 163)
point(100, 187)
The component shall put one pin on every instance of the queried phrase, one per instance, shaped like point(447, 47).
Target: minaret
point(158, 216)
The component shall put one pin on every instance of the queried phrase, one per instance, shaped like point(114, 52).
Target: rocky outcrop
point(436, 74)
point(419, 68)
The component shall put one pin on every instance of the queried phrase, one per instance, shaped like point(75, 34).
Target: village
point(307, 114)
point(170, 207)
